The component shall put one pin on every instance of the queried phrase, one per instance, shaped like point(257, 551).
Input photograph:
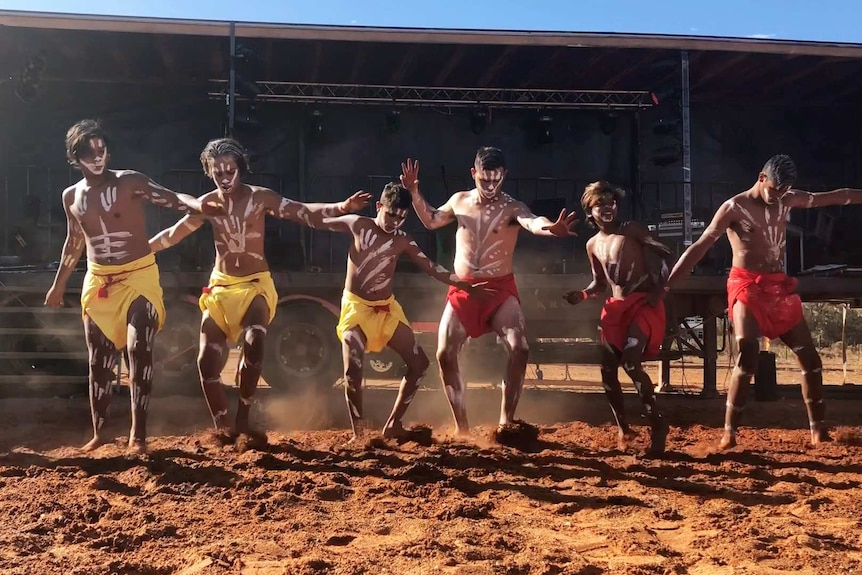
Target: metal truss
point(447, 97)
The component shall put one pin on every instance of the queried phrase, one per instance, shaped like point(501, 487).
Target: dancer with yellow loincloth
point(240, 300)
point(370, 317)
point(121, 299)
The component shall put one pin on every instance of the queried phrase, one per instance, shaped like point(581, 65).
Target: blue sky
point(830, 20)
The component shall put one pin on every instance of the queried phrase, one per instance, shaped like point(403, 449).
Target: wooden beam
point(315, 62)
point(166, 54)
point(404, 65)
point(539, 71)
point(218, 58)
point(267, 60)
point(787, 80)
point(716, 70)
point(625, 71)
point(120, 57)
point(453, 62)
point(358, 60)
point(492, 71)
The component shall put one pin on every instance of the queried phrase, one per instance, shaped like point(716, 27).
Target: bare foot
point(625, 438)
point(819, 436)
point(137, 446)
point(728, 441)
point(93, 444)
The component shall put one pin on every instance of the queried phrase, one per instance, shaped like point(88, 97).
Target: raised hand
point(562, 228)
point(410, 175)
point(355, 202)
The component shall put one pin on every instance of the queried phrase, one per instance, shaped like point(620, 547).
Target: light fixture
point(478, 121)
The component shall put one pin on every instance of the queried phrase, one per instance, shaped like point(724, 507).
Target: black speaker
point(765, 380)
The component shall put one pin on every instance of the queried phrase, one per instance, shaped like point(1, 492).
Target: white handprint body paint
point(376, 262)
point(232, 232)
point(482, 252)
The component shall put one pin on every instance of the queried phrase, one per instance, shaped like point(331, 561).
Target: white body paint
point(109, 244)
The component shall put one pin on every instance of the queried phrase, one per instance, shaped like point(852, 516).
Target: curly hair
point(595, 193)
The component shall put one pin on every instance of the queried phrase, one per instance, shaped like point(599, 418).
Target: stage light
point(667, 127)
point(393, 121)
point(608, 123)
point(545, 132)
point(478, 121)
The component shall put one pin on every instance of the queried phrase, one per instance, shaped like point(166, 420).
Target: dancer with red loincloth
point(633, 318)
point(760, 297)
point(488, 225)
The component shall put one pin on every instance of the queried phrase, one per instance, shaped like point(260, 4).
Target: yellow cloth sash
point(378, 320)
point(109, 291)
point(227, 299)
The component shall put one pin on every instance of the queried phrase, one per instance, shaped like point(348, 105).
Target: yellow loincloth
point(109, 291)
point(227, 299)
point(378, 320)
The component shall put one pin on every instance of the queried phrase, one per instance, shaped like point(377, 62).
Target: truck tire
point(302, 351)
point(176, 352)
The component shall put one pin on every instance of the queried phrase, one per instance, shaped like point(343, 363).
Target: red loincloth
point(619, 314)
point(769, 297)
point(476, 311)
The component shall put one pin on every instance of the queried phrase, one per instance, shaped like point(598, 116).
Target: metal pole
point(686, 153)
point(231, 96)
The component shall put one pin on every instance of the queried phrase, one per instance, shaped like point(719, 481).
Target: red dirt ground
point(570, 503)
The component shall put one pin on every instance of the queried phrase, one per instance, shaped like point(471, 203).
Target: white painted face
point(605, 211)
point(390, 219)
point(225, 173)
point(488, 182)
point(95, 157)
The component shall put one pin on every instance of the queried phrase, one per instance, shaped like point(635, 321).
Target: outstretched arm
point(342, 224)
point(73, 248)
point(542, 226)
point(839, 197)
point(161, 196)
point(436, 271)
point(175, 234)
point(597, 287)
point(430, 217)
point(310, 214)
point(695, 252)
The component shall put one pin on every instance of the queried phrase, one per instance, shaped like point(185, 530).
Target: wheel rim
point(380, 366)
point(302, 350)
point(175, 353)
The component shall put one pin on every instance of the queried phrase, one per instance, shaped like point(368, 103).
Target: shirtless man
point(760, 296)
point(371, 319)
point(240, 300)
point(488, 225)
point(121, 299)
point(633, 318)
